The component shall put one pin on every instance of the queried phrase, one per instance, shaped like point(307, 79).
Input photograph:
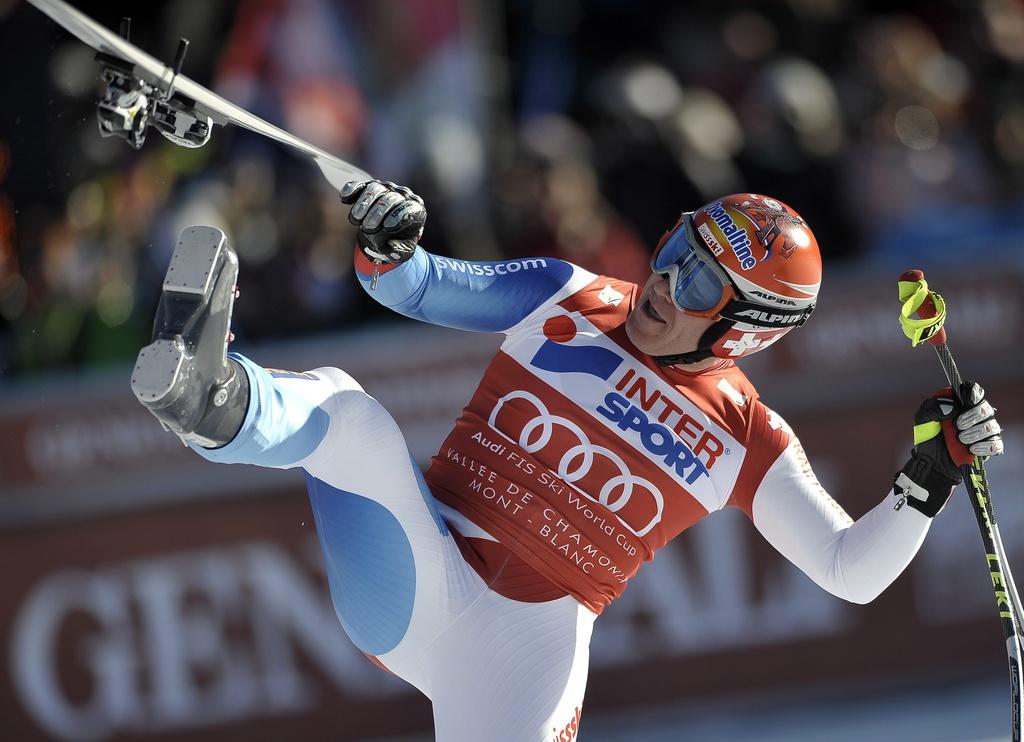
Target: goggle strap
point(761, 315)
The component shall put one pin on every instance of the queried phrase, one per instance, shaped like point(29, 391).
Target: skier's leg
point(396, 575)
point(510, 671)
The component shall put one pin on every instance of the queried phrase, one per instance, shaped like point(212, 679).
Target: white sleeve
point(855, 561)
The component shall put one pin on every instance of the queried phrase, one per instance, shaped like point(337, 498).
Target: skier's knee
point(342, 381)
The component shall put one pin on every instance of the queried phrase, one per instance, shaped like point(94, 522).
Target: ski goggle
point(697, 284)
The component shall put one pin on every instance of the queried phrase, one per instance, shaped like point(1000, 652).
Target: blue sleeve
point(465, 294)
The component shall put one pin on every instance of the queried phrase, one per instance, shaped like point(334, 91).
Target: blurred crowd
point(531, 127)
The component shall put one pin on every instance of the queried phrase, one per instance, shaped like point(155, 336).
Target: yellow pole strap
point(913, 294)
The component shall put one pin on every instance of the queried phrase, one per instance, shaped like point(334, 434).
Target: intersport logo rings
point(585, 453)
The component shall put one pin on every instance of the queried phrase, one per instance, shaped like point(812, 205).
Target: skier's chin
point(651, 334)
point(656, 335)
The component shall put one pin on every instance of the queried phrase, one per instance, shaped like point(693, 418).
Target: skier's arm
point(858, 560)
point(468, 295)
point(855, 561)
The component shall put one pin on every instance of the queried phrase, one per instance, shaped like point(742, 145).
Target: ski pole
point(931, 310)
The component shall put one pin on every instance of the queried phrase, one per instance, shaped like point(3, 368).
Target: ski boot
point(184, 376)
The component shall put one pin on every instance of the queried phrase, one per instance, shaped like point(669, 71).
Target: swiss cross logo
point(749, 342)
point(731, 392)
point(610, 296)
point(738, 347)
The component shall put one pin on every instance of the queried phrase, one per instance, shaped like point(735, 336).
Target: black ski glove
point(946, 437)
point(390, 219)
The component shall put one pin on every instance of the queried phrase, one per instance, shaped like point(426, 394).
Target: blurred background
point(147, 595)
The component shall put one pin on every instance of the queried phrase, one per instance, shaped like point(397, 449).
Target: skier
point(612, 418)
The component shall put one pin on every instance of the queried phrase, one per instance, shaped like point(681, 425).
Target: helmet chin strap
point(703, 351)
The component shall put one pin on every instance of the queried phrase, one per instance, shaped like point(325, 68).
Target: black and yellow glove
point(947, 435)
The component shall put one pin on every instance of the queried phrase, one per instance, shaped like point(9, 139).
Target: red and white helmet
point(763, 255)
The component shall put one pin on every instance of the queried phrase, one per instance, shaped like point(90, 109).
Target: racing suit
point(577, 457)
